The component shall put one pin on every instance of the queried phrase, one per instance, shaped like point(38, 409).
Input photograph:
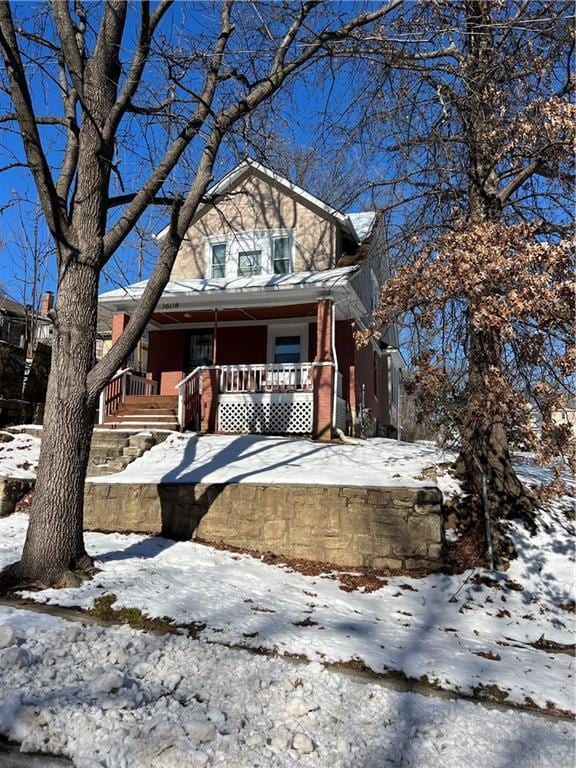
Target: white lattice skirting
point(274, 413)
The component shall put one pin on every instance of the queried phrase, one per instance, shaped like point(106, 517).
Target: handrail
point(115, 391)
point(119, 373)
point(189, 376)
point(189, 392)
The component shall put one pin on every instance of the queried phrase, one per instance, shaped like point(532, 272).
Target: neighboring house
point(566, 415)
point(18, 323)
point(254, 331)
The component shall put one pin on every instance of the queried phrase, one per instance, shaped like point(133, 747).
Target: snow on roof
point(257, 283)
point(362, 223)
point(219, 188)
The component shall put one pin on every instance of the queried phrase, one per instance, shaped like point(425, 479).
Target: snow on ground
point(474, 629)
point(256, 458)
point(18, 456)
point(456, 630)
point(123, 698)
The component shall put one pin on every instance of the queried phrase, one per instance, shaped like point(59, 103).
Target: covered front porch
point(275, 368)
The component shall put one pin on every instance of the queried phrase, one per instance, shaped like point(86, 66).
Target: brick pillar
point(209, 399)
point(324, 331)
point(323, 373)
point(119, 323)
point(47, 303)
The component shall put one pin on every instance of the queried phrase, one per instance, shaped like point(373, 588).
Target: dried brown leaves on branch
point(474, 101)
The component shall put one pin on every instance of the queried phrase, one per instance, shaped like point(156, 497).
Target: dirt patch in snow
point(362, 579)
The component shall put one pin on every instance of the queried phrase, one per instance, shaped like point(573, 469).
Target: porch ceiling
point(235, 314)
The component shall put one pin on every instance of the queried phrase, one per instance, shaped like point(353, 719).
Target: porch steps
point(145, 412)
point(111, 452)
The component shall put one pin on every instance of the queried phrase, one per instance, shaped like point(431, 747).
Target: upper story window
point(249, 263)
point(244, 254)
point(282, 255)
point(218, 260)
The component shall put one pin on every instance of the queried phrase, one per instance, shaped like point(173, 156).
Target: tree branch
point(114, 202)
point(123, 346)
point(156, 180)
point(148, 26)
point(72, 54)
point(27, 122)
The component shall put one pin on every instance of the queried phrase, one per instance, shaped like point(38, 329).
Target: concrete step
point(141, 426)
point(101, 453)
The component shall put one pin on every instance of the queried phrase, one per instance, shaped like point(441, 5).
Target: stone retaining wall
point(11, 491)
point(397, 528)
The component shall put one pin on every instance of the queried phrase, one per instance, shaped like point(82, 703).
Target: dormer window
point(282, 255)
point(218, 263)
point(244, 254)
point(249, 263)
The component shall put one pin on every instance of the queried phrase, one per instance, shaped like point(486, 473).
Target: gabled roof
point(14, 307)
point(362, 223)
point(245, 167)
point(356, 225)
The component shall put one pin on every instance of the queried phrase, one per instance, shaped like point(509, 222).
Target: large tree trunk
point(54, 542)
point(485, 451)
point(484, 446)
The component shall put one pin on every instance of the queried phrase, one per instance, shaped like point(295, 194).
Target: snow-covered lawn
point(18, 455)
point(262, 459)
point(119, 698)
point(459, 631)
point(463, 632)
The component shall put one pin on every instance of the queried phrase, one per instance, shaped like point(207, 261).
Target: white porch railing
point(124, 383)
point(189, 391)
point(272, 377)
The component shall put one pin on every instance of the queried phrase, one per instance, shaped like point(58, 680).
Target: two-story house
point(254, 331)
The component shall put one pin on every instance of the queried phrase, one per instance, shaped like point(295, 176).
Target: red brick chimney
point(47, 303)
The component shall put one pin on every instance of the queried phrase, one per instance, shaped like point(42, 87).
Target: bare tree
point(30, 251)
point(137, 89)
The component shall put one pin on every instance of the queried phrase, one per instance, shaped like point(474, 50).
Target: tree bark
point(484, 446)
point(54, 542)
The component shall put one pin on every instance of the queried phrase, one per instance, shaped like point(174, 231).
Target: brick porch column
point(323, 373)
point(209, 399)
point(119, 323)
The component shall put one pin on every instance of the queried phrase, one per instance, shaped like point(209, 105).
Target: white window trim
point(288, 329)
point(250, 240)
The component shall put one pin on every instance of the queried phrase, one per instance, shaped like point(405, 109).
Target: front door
point(200, 348)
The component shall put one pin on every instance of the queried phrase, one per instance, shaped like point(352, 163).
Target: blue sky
point(300, 118)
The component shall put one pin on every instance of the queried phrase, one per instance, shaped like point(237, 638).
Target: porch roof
point(258, 290)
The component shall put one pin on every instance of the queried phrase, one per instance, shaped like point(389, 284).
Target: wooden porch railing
point(125, 382)
point(273, 377)
point(189, 395)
